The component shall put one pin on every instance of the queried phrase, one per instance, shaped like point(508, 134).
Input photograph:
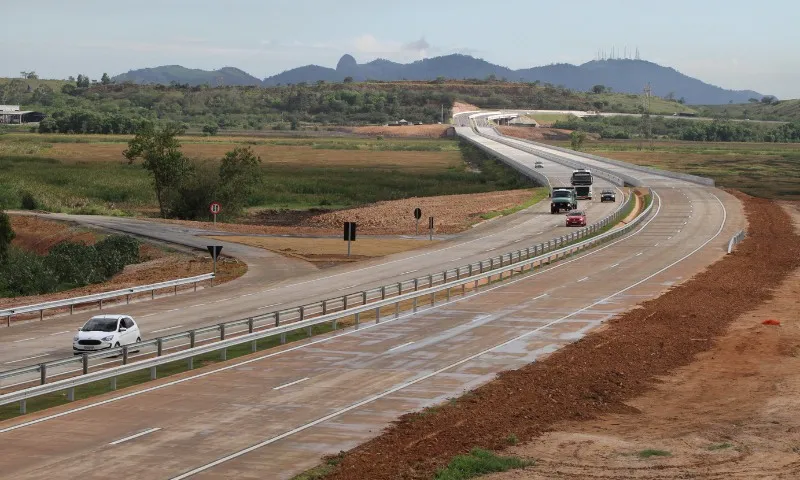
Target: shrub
point(6, 235)
point(25, 273)
point(28, 201)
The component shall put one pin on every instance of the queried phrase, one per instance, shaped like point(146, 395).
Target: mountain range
point(621, 75)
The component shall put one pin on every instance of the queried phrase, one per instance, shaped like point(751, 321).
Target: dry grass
point(414, 131)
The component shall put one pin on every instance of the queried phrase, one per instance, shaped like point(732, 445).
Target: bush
point(6, 235)
point(28, 201)
point(25, 273)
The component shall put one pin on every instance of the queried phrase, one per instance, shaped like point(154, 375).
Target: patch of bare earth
point(158, 265)
point(411, 131)
point(461, 107)
point(611, 374)
point(732, 413)
point(541, 133)
point(452, 214)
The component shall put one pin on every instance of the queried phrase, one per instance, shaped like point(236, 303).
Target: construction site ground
point(691, 384)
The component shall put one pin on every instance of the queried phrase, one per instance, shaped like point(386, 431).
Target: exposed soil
point(452, 214)
point(158, 265)
point(406, 131)
point(602, 373)
point(460, 107)
point(541, 133)
point(729, 414)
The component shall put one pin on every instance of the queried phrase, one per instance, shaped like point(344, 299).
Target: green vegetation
point(784, 110)
point(6, 235)
point(321, 471)
point(718, 130)
point(89, 175)
point(479, 462)
point(653, 453)
point(82, 106)
point(720, 446)
point(67, 265)
point(539, 194)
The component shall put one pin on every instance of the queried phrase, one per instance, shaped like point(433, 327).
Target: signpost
point(349, 234)
point(417, 215)
point(430, 228)
point(214, 208)
point(214, 251)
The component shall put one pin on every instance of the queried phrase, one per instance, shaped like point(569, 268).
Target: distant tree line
point(718, 130)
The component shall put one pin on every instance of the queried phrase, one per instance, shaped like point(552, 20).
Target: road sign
point(417, 213)
point(214, 251)
point(349, 234)
point(214, 208)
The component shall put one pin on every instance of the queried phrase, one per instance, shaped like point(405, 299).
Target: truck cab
point(563, 198)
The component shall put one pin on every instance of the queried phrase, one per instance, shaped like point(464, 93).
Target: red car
point(576, 218)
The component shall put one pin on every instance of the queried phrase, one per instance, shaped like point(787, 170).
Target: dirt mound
point(39, 235)
point(421, 131)
point(460, 107)
point(598, 374)
point(530, 133)
point(452, 213)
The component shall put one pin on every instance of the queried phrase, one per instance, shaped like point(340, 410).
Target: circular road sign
point(214, 207)
point(417, 213)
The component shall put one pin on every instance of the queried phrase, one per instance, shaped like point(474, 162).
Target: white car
point(106, 331)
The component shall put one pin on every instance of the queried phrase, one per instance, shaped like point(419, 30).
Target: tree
point(576, 139)
point(599, 89)
point(239, 176)
point(105, 79)
point(670, 96)
point(348, 79)
point(769, 100)
point(29, 75)
point(82, 81)
point(210, 129)
point(6, 235)
point(162, 157)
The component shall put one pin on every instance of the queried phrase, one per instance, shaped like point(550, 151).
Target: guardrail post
point(302, 312)
point(85, 362)
point(159, 346)
point(101, 304)
point(113, 383)
point(223, 354)
point(8, 321)
point(430, 280)
point(22, 407)
point(128, 299)
point(309, 330)
point(71, 394)
point(383, 292)
point(277, 319)
point(491, 264)
point(378, 315)
point(221, 332)
point(190, 363)
point(253, 346)
point(250, 325)
point(358, 315)
point(176, 289)
point(324, 307)
point(43, 372)
point(364, 297)
point(195, 286)
point(152, 294)
point(153, 373)
point(125, 355)
point(191, 339)
point(344, 302)
point(283, 338)
point(399, 288)
point(416, 284)
point(480, 265)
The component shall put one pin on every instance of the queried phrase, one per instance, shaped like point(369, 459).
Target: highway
point(274, 282)
point(274, 414)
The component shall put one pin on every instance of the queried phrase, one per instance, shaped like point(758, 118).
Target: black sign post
point(349, 234)
point(214, 251)
point(430, 228)
point(417, 215)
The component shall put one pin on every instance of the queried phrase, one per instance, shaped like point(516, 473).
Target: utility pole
point(443, 114)
point(646, 124)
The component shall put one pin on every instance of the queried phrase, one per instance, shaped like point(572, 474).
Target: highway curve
point(275, 413)
point(274, 282)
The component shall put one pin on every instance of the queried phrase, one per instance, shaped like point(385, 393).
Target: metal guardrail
point(100, 297)
point(214, 333)
point(531, 260)
point(737, 238)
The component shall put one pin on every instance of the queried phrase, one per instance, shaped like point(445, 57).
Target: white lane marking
point(638, 254)
point(60, 333)
point(148, 315)
point(290, 383)
point(29, 358)
point(657, 244)
point(117, 442)
point(489, 250)
point(517, 241)
point(345, 288)
point(400, 346)
point(165, 329)
point(429, 375)
point(456, 259)
point(410, 271)
point(333, 337)
point(24, 340)
point(482, 317)
point(583, 279)
point(267, 306)
point(225, 299)
point(198, 305)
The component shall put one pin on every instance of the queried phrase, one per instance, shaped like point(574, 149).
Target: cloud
point(369, 45)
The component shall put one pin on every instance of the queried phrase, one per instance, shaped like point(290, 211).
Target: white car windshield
point(100, 325)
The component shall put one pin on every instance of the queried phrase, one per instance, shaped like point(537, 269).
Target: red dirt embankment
point(599, 373)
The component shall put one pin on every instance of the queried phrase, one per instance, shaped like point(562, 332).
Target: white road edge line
point(400, 346)
point(24, 340)
point(460, 362)
point(615, 265)
point(582, 279)
point(327, 339)
point(117, 442)
point(290, 383)
point(165, 329)
point(29, 358)
point(59, 333)
point(345, 288)
point(410, 271)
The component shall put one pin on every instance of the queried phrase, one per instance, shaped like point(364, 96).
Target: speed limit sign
point(214, 207)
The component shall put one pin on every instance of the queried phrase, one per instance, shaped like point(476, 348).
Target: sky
point(732, 44)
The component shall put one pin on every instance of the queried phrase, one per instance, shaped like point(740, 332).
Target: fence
point(99, 298)
point(737, 238)
point(273, 324)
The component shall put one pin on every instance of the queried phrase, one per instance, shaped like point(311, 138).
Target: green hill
point(784, 110)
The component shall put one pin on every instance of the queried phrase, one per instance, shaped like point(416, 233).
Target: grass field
point(88, 174)
point(769, 170)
